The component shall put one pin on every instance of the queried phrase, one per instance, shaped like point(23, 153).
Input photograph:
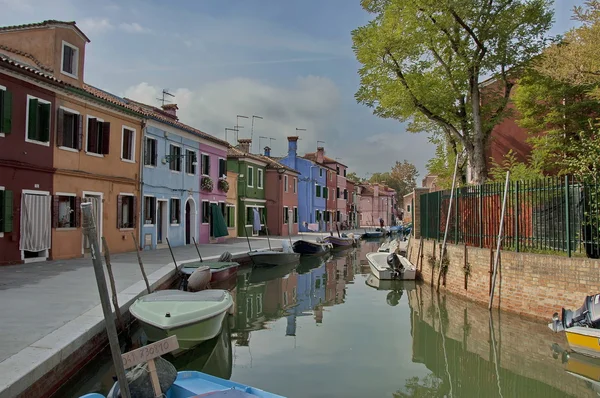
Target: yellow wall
point(232, 198)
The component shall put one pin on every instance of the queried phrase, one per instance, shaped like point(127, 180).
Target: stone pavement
point(48, 307)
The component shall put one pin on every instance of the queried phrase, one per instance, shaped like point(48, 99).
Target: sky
point(289, 62)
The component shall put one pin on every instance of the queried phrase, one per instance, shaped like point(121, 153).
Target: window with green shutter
point(5, 112)
point(6, 211)
point(38, 120)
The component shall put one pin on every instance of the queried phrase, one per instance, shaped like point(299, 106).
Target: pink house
point(213, 165)
point(376, 201)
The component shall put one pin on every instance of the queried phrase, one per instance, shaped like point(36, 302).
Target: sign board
point(149, 352)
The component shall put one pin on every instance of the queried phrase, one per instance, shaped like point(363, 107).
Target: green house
point(251, 186)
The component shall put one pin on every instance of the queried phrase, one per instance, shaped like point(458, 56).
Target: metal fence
point(557, 214)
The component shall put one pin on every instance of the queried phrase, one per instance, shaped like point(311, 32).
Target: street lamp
point(252, 130)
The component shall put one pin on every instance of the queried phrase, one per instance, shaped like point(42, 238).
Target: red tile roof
point(326, 160)
point(234, 152)
point(27, 55)
point(45, 24)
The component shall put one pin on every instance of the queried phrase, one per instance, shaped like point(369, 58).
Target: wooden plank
point(150, 351)
point(154, 378)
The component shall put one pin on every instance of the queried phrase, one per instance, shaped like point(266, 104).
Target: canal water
point(329, 329)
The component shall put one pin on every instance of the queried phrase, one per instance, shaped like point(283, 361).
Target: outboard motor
point(588, 315)
point(395, 264)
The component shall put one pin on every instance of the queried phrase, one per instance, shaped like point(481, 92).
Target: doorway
point(190, 220)
point(95, 198)
point(187, 223)
point(290, 221)
point(161, 222)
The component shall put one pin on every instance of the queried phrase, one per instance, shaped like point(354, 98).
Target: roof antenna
point(163, 99)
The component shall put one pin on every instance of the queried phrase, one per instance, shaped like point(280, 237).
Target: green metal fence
point(557, 214)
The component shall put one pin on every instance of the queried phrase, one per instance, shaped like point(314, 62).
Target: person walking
point(381, 222)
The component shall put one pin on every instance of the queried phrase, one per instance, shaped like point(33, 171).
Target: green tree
point(402, 178)
point(352, 176)
point(422, 61)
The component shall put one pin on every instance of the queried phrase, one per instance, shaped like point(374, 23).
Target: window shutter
point(92, 138)
point(79, 132)
point(6, 116)
point(7, 207)
point(77, 211)
point(105, 138)
point(32, 119)
point(45, 122)
point(146, 154)
point(55, 206)
point(60, 128)
point(119, 210)
point(154, 153)
point(135, 213)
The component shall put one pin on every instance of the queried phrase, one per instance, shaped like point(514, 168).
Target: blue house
point(312, 188)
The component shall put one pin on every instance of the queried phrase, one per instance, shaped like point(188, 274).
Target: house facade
point(376, 202)
point(312, 188)
point(282, 197)
point(232, 204)
point(351, 208)
point(251, 186)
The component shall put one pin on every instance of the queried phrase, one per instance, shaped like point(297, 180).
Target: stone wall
point(533, 285)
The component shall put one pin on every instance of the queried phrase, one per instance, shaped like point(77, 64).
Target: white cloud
point(311, 102)
point(94, 25)
point(133, 27)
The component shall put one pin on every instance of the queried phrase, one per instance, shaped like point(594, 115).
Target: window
point(344, 172)
point(330, 176)
point(149, 210)
point(286, 213)
point(250, 215)
point(38, 120)
point(407, 207)
point(65, 212)
point(295, 215)
point(190, 162)
point(259, 178)
point(69, 129)
point(230, 216)
point(150, 153)
point(5, 111)
point(205, 212)
point(175, 210)
point(223, 209)
point(338, 216)
point(346, 194)
point(222, 168)
point(250, 176)
point(325, 193)
point(285, 183)
point(175, 158)
point(295, 185)
point(70, 59)
point(318, 189)
point(126, 211)
point(128, 144)
point(98, 136)
point(337, 170)
point(6, 211)
point(320, 172)
point(205, 165)
point(317, 215)
point(337, 192)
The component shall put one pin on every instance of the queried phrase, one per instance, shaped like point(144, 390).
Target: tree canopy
point(402, 178)
point(422, 61)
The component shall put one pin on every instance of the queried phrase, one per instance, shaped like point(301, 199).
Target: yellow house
point(232, 200)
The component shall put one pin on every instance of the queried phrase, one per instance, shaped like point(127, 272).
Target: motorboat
point(219, 270)
point(378, 233)
point(195, 279)
point(194, 384)
point(394, 284)
point(391, 266)
point(341, 242)
point(389, 247)
point(308, 248)
point(192, 317)
point(582, 326)
point(266, 258)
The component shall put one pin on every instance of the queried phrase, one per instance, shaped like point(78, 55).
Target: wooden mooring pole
point(137, 251)
point(499, 243)
point(113, 288)
point(89, 229)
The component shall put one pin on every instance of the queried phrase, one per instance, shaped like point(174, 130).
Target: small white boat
point(271, 258)
point(389, 247)
point(192, 317)
point(396, 267)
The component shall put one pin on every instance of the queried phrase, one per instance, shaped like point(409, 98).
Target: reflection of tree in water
point(428, 386)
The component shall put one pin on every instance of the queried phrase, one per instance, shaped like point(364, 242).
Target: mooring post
point(113, 288)
point(137, 251)
point(499, 244)
point(89, 229)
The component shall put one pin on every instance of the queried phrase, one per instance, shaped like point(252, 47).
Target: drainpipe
point(141, 185)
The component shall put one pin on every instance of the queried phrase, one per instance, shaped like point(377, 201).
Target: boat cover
point(177, 295)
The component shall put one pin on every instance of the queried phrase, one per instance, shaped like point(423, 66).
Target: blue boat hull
point(376, 234)
point(193, 384)
point(311, 248)
point(343, 243)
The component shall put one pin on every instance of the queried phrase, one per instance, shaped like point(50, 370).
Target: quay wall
point(533, 285)
point(468, 324)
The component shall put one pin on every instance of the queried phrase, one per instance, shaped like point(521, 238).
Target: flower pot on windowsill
point(223, 185)
point(206, 184)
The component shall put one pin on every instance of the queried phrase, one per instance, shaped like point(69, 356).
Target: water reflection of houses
point(471, 358)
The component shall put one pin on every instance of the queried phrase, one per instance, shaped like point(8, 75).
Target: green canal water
point(327, 329)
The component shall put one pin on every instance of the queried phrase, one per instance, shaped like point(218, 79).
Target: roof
point(326, 160)
point(151, 112)
point(45, 24)
point(237, 153)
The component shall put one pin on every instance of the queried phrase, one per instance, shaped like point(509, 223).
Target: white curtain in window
point(35, 223)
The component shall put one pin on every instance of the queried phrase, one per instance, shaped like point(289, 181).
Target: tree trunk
point(476, 153)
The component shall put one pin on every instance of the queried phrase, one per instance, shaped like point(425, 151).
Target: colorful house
point(377, 201)
point(232, 204)
point(251, 185)
point(312, 188)
point(282, 197)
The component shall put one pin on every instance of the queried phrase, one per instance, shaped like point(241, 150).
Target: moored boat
point(391, 266)
point(394, 284)
point(192, 317)
point(219, 270)
point(343, 242)
point(270, 258)
point(372, 234)
point(305, 247)
point(582, 326)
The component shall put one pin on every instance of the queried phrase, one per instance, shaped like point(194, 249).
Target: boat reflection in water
point(396, 288)
point(580, 366)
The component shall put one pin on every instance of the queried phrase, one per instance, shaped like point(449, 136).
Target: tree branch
point(469, 30)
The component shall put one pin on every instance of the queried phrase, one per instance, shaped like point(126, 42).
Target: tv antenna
point(163, 99)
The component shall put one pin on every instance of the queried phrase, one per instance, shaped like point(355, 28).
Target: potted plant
point(223, 184)
point(206, 184)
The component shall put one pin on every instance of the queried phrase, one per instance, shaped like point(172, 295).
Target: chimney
point(171, 110)
point(244, 144)
point(320, 154)
point(292, 146)
point(267, 151)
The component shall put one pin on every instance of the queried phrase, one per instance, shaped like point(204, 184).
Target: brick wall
point(533, 285)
